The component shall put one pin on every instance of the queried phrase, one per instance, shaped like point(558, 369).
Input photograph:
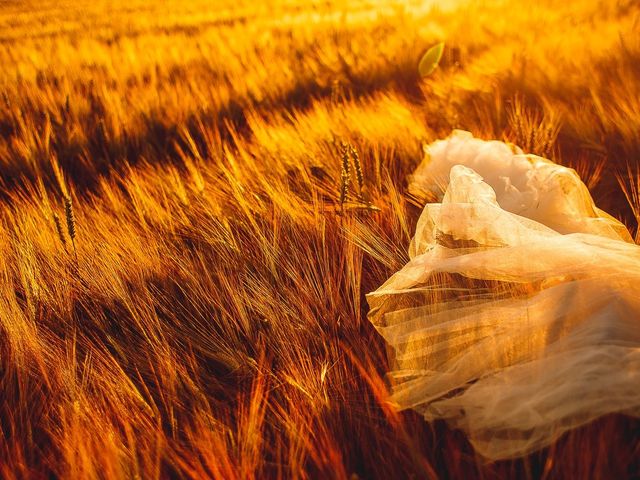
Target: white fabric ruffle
point(518, 316)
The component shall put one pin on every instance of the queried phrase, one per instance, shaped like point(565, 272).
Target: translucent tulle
point(518, 316)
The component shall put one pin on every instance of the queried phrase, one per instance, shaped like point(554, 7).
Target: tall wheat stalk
point(345, 174)
point(60, 230)
point(71, 223)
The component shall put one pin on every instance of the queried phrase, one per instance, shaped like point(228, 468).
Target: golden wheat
point(214, 324)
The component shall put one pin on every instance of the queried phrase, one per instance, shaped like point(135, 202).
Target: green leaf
point(430, 60)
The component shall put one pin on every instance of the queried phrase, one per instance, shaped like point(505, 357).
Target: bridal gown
point(518, 316)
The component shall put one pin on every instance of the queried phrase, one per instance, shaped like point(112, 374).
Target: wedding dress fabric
point(517, 317)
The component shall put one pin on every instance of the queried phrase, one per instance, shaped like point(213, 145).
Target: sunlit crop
point(197, 195)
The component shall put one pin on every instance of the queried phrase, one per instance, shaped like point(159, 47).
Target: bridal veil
point(518, 316)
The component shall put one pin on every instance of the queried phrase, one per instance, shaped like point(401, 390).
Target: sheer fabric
point(516, 318)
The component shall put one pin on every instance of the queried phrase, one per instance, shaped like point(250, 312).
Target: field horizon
point(184, 269)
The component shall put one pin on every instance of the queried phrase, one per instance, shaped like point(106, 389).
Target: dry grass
point(182, 287)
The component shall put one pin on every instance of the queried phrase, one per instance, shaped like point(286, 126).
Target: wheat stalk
point(345, 174)
point(71, 223)
point(60, 230)
point(358, 169)
point(59, 176)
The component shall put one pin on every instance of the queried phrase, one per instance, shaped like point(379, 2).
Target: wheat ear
point(345, 174)
point(357, 166)
point(60, 230)
point(71, 223)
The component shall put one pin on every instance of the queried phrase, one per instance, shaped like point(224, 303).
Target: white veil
point(518, 316)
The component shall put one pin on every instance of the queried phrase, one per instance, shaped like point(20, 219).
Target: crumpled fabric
point(518, 316)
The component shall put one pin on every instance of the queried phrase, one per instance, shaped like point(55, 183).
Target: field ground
point(203, 313)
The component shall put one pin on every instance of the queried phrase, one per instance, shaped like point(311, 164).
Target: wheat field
point(183, 266)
